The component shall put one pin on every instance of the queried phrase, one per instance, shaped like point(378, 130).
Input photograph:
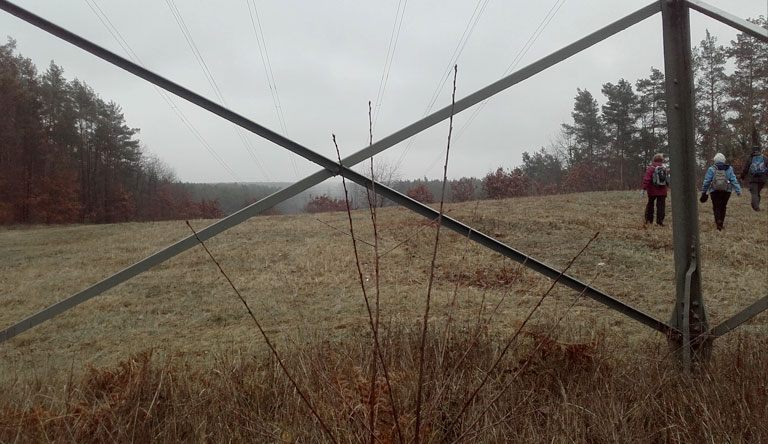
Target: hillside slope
point(298, 273)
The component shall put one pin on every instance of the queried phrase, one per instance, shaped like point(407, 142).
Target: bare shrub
point(463, 190)
point(582, 388)
point(503, 184)
point(421, 193)
point(324, 204)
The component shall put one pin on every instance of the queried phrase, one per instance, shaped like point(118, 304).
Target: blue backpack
point(757, 168)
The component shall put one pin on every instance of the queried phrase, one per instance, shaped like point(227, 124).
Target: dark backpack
point(720, 182)
point(660, 176)
point(757, 167)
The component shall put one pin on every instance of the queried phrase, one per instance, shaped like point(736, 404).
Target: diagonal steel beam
point(331, 168)
point(741, 317)
point(418, 207)
point(739, 23)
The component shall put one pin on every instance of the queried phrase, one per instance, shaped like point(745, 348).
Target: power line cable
point(523, 51)
point(112, 29)
point(212, 80)
point(261, 42)
point(469, 29)
point(393, 39)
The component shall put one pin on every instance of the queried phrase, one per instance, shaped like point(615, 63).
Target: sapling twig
point(432, 268)
point(266, 339)
point(446, 332)
point(432, 221)
point(342, 231)
point(372, 206)
point(528, 360)
point(517, 333)
point(377, 349)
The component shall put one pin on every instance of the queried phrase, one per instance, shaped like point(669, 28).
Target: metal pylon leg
point(689, 315)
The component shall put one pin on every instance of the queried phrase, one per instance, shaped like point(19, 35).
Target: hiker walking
point(756, 170)
point(719, 182)
point(655, 183)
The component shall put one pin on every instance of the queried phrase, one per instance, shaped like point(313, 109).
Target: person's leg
point(723, 198)
point(660, 209)
point(717, 207)
point(754, 190)
point(649, 210)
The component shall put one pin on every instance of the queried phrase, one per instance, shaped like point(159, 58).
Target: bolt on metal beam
point(331, 168)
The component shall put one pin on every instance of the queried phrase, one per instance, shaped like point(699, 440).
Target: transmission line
point(469, 29)
point(112, 29)
point(261, 42)
point(212, 81)
point(393, 39)
point(523, 51)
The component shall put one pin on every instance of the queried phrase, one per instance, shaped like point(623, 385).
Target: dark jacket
point(745, 172)
point(653, 190)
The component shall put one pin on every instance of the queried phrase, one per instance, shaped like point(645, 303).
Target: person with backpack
point(756, 169)
point(655, 183)
point(719, 183)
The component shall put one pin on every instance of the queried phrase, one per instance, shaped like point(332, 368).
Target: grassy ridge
point(299, 276)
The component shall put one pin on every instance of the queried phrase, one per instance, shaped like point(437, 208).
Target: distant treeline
point(608, 147)
point(67, 156)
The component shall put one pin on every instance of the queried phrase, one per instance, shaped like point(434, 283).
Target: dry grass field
point(173, 355)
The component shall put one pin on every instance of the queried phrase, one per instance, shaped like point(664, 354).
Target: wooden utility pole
point(689, 315)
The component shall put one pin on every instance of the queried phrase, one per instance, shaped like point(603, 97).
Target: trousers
point(754, 189)
point(719, 204)
point(660, 211)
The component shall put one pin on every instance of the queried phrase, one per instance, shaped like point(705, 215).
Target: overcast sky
point(327, 59)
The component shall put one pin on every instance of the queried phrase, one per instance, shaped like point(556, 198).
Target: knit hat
point(719, 158)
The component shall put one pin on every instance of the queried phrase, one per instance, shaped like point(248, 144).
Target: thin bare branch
point(517, 333)
point(411, 236)
point(374, 367)
point(342, 231)
point(266, 339)
point(432, 268)
point(527, 361)
point(367, 302)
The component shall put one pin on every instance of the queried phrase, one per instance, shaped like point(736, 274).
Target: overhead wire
point(469, 29)
point(465, 36)
point(389, 58)
point(261, 42)
point(123, 43)
point(252, 151)
point(516, 61)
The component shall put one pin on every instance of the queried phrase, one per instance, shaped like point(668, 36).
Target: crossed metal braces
point(334, 168)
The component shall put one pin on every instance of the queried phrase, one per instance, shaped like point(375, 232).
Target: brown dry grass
point(300, 279)
point(547, 390)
